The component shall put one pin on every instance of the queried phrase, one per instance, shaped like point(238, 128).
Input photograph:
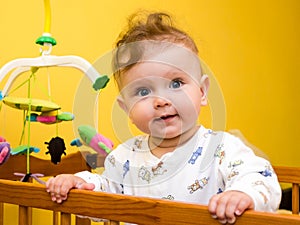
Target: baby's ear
point(204, 86)
point(122, 104)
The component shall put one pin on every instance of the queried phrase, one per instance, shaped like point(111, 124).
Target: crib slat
point(1, 213)
point(82, 221)
point(29, 216)
point(65, 218)
point(55, 218)
point(295, 198)
point(23, 215)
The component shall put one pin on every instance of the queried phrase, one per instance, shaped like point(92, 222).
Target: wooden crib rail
point(123, 208)
point(290, 175)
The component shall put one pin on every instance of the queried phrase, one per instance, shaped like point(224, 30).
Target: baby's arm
point(250, 183)
point(59, 186)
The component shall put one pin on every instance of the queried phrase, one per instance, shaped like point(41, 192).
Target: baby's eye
point(143, 92)
point(175, 84)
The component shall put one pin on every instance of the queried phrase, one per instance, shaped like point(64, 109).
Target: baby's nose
point(161, 102)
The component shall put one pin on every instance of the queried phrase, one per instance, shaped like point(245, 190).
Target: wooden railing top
point(127, 208)
point(288, 174)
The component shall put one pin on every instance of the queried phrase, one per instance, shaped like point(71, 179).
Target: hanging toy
point(26, 177)
point(56, 147)
point(17, 67)
point(4, 150)
point(24, 149)
point(50, 117)
point(2, 139)
point(96, 141)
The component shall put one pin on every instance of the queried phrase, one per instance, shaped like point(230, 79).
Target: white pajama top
point(209, 163)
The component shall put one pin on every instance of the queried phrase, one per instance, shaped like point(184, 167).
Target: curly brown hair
point(142, 26)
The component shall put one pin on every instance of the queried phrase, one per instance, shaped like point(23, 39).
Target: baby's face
point(161, 100)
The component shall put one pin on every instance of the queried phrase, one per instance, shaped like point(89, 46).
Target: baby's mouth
point(167, 117)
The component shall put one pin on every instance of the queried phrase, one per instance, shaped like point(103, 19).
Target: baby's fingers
point(212, 206)
point(58, 187)
point(227, 205)
point(222, 207)
point(85, 186)
point(243, 205)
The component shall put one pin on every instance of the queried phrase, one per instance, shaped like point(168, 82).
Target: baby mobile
point(39, 110)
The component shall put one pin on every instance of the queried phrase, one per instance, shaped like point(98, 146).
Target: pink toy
point(4, 150)
point(96, 141)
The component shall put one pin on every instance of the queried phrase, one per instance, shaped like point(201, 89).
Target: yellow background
point(252, 47)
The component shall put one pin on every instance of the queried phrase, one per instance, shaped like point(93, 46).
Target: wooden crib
point(139, 210)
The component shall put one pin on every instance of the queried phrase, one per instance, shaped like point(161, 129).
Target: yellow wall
point(251, 46)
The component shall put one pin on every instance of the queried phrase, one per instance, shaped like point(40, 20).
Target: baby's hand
point(227, 205)
point(59, 186)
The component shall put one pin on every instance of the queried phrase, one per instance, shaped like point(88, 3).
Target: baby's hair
point(157, 26)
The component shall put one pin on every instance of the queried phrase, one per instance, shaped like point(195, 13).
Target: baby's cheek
point(140, 118)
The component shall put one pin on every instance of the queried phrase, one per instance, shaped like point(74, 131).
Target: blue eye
point(175, 84)
point(143, 92)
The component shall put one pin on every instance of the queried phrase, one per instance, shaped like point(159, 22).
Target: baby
point(162, 89)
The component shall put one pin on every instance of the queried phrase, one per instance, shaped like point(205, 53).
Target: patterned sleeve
point(243, 171)
point(106, 182)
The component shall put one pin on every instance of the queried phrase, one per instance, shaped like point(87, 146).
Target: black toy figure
point(56, 147)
